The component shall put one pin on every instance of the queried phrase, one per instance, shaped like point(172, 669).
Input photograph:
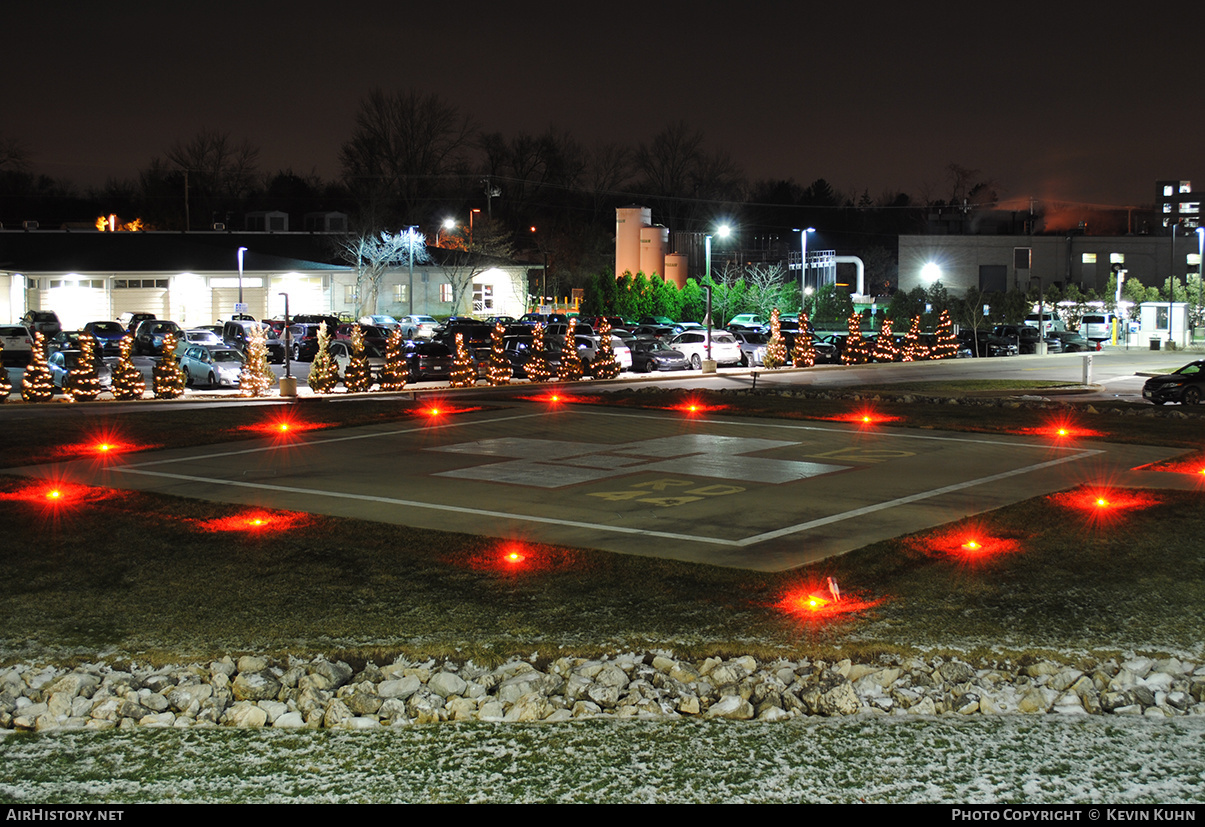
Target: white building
point(194, 279)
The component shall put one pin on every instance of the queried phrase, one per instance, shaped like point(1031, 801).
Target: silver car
point(63, 362)
point(215, 366)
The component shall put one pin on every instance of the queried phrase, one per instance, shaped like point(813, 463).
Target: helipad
point(754, 493)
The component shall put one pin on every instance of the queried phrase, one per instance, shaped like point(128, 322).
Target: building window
point(349, 294)
point(1089, 258)
point(483, 298)
point(1186, 186)
point(31, 284)
point(1117, 258)
point(96, 284)
point(133, 284)
point(445, 293)
point(225, 281)
point(399, 293)
point(1167, 207)
point(1167, 190)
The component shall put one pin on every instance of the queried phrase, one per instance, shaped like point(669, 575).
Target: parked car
point(988, 345)
point(63, 362)
point(340, 352)
point(693, 343)
point(1185, 385)
point(381, 320)
point(588, 347)
point(427, 360)
point(1073, 342)
point(130, 321)
point(108, 336)
point(212, 365)
point(649, 355)
point(747, 321)
point(303, 339)
point(18, 344)
point(1026, 338)
point(198, 336)
point(753, 347)
point(45, 322)
point(519, 352)
point(418, 327)
point(237, 334)
point(151, 334)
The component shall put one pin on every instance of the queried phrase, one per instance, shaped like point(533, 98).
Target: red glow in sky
point(255, 522)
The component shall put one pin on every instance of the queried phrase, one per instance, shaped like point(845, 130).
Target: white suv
point(693, 343)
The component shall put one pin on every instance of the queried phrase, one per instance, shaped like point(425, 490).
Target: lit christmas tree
point(127, 379)
point(914, 348)
point(395, 373)
point(38, 384)
point(537, 367)
point(776, 349)
point(358, 376)
point(855, 345)
point(884, 344)
point(256, 377)
point(167, 379)
point(605, 364)
point(324, 373)
point(947, 345)
point(6, 387)
point(570, 369)
point(83, 383)
point(464, 372)
point(499, 370)
point(804, 352)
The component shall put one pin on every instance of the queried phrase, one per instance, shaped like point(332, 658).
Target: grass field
point(133, 576)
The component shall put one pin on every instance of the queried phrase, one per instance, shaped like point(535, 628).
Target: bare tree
point(766, 288)
point(13, 154)
point(375, 254)
point(470, 255)
point(403, 144)
point(675, 166)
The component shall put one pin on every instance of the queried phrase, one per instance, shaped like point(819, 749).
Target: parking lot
point(749, 493)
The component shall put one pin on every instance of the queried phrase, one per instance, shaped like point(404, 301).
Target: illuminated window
point(1190, 207)
point(483, 298)
point(349, 294)
point(1193, 259)
point(1117, 258)
point(133, 284)
point(1089, 258)
point(399, 292)
point(1186, 186)
point(1167, 207)
point(1168, 190)
point(445, 293)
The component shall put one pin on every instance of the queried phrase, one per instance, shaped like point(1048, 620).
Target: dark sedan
point(1184, 386)
point(649, 355)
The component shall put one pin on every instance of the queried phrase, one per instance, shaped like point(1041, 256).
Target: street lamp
point(288, 385)
point(241, 250)
point(803, 257)
point(410, 262)
point(931, 273)
point(723, 231)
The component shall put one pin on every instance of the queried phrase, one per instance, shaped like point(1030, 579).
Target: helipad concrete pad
point(752, 493)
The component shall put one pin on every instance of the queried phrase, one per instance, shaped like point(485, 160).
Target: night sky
point(1063, 101)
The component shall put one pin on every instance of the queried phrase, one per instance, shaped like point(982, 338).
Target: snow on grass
point(873, 759)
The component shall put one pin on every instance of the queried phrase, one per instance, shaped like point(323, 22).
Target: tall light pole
point(803, 260)
point(722, 231)
point(410, 263)
point(241, 250)
point(288, 385)
point(1200, 264)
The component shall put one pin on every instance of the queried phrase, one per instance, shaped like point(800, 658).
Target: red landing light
point(56, 494)
point(1060, 431)
point(438, 410)
point(255, 522)
point(693, 408)
point(518, 558)
point(817, 605)
point(969, 545)
point(555, 398)
point(1100, 505)
point(104, 448)
point(282, 428)
point(863, 418)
